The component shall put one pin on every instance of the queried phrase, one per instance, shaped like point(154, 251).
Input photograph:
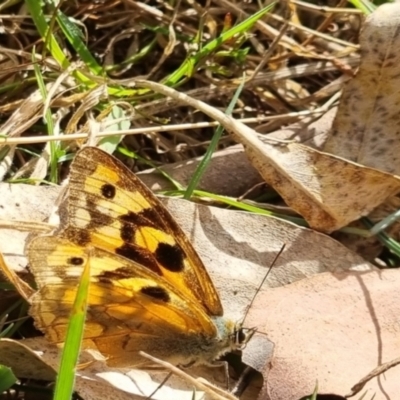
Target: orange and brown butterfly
point(149, 290)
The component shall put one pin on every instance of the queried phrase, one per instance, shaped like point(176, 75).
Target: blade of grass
point(7, 378)
point(36, 10)
point(201, 168)
point(133, 155)
point(22, 317)
point(383, 237)
point(74, 36)
point(49, 120)
point(192, 61)
point(134, 59)
point(239, 205)
point(385, 223)
point(364, 5)
point(69, 358)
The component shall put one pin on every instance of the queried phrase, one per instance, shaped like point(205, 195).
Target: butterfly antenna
point(262, 283)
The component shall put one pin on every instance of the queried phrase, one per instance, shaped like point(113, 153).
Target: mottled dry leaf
point(367, 126)
point(331, 328)
point(311, 131)
point(327, 191)
point(229, 172)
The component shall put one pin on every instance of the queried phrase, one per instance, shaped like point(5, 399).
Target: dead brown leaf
point(332, 328)
point(327, 191)
point(367, 127)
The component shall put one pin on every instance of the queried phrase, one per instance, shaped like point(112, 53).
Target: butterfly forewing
point(111, 209)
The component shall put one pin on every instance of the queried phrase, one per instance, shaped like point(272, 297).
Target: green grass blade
point(234, 203)
point(364, 5)
point(36, 10)
point(383, 237)
point(7, 378)
point(189, 63)
point(201, 168)
point(13, 327)
point(74, 35)
point(69, 359)
point(49, 120)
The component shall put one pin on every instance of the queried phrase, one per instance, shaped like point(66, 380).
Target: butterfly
point(149, 290)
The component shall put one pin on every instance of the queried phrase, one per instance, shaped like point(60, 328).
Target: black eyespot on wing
point(139, 256)
point(170, 257)
point(156, 292)
point(75, 261)
point(108, 191)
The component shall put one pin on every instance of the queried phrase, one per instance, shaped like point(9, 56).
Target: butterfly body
point(149, 290)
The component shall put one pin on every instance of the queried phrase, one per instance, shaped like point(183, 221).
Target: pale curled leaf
point(367, 126)
point(327, 191)
point(239, 247)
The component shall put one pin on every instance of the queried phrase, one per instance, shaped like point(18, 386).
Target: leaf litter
point(316, 52)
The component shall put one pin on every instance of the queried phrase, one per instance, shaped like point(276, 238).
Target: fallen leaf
point(331, 328)
point(327, 191)
point(367, 125)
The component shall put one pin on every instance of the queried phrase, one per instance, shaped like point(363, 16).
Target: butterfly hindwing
point(126, 302)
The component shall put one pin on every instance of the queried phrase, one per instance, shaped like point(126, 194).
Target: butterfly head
point(231, 336)
point(241, 336)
